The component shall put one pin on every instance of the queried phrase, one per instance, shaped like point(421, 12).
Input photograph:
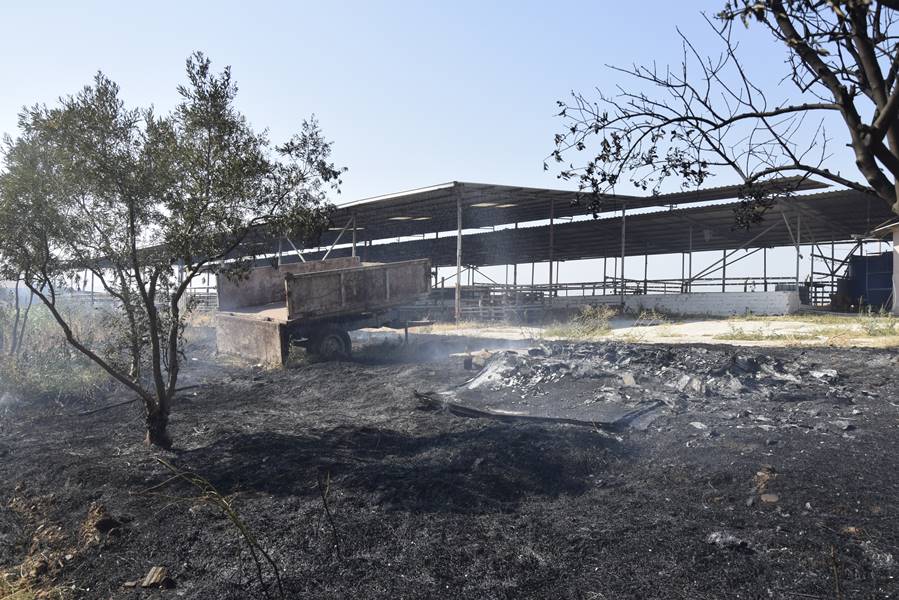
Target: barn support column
point(833, 270)
point(623, 239)
point(811, 270)
point(515, 267)
point(690, 261)
point(724, 270)
point(458, 299)
point(552, 217)
point(795, 238)
point(614, 275)
point(798, 253)
point(603, 275)
point(645, 273)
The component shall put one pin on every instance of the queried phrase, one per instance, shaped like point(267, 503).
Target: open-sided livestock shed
point(469, 225)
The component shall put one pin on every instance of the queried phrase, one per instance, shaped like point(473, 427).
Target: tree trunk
point(15, 324)
point(157, 428)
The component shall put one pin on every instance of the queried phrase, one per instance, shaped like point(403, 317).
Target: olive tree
point(707, 114)
point(146, 203)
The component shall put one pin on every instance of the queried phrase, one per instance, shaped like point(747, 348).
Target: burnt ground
point(762, 474)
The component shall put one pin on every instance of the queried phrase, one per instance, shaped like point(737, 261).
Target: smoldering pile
point(693, 372)
point(713, 383)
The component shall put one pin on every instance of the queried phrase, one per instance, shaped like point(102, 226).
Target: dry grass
point(592, 322)
point(879, 325)
point(831, 329)
point(15, 587)
point(18, 589)
point(739, 334)
point(198, 318)
point(878, 320)
point(438, 328)
point(652, 318)
point(877, 328)
point(15, 591)
point(49, 368)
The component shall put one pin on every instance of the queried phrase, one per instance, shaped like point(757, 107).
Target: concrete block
point(257, 340)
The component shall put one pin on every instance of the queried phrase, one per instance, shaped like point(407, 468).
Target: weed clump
point(832, 328)
point(590, 322)
point(739, 334)
point(45, 368)
point(880, 324)
point(651, 318)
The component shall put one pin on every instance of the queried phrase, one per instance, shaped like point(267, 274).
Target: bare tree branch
point(684, 123)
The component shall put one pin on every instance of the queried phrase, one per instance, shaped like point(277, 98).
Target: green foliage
point(145, 203)
point(48, 369)
point(879, 324)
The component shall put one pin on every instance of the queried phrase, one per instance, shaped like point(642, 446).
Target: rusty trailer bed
point(314, 304)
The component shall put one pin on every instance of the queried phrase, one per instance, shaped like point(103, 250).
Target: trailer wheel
point(331, 343)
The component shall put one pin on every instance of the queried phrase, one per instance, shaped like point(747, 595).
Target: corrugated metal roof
point(433, 209)
point(823, 217)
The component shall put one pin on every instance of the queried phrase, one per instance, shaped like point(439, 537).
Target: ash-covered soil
point(761, 474)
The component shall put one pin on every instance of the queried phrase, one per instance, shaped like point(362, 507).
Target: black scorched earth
point(592, 471)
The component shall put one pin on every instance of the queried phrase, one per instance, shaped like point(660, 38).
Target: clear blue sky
point(411, 93)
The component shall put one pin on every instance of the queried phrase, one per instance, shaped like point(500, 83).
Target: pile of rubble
point(582, 380)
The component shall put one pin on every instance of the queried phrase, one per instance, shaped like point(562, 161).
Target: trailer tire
point(331, 343)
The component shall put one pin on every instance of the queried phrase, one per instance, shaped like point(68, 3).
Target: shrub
point(880, 324)
point(590, 322)
point(46, 367)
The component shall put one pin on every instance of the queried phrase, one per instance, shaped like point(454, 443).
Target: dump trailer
point(314, 305)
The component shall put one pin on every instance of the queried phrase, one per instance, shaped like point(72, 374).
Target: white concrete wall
point(717, 303)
